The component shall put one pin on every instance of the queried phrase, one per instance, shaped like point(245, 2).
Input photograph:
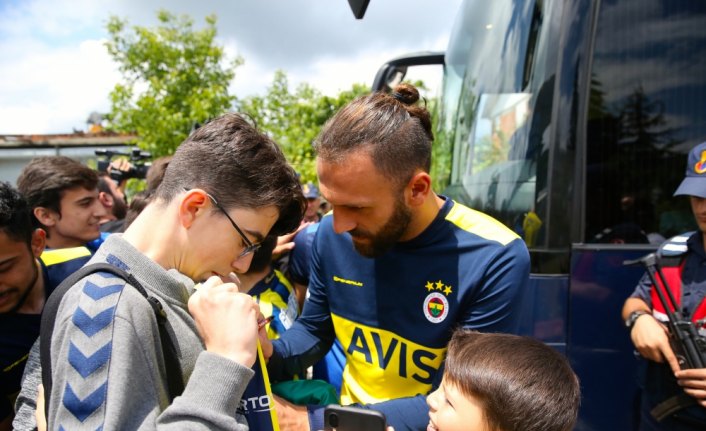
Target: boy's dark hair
point(395, 131)
point(15, 215)
point(262, 257)
point(522, 384)
point(44, 179)
point(240, 166)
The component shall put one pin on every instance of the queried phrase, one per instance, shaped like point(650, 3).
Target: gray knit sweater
point(108, 368)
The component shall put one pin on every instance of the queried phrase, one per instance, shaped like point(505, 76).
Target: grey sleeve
point(26, 402)
point(213, 392)
point(128, 391)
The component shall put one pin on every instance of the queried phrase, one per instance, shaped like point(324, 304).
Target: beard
point(390, 233)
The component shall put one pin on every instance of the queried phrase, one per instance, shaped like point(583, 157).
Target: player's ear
point(418, 188)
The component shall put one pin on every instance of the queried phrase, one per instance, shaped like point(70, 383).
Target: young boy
point(502, 382)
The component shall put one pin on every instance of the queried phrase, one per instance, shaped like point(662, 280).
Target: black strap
point(175, 382)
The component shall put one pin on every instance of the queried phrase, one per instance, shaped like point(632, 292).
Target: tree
point(294, 119)
point(174, 77)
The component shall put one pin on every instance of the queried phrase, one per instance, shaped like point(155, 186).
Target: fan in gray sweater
point(108, 368)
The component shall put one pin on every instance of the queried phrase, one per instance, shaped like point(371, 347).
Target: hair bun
point(406, 94)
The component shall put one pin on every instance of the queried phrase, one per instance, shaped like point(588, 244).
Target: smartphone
point(346, 418)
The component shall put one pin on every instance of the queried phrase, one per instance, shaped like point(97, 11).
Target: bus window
point(499, 85)
point(646, 110)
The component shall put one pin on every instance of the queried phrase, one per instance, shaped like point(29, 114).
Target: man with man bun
point(396, 267)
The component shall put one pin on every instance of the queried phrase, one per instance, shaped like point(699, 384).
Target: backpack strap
point(175, 382)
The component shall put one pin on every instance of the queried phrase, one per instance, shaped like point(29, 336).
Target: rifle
point(688, 346)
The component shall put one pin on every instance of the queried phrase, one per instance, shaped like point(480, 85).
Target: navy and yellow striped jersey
point(275, 296)
point(394, 314)
point(19, 331)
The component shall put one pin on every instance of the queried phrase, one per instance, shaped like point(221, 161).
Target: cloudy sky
point(55, 69)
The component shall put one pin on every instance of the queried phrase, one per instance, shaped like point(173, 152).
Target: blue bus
point(570, 121)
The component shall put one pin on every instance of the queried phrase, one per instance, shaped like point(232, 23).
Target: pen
point(264, 322)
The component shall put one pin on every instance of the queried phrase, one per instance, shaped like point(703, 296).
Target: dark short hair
point(44, 179)
point(262, 257)
point(240, 166)
point(15, 214)
point(522, 383)
point(392, 127)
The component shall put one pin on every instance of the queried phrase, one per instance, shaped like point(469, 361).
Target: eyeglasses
point(249, 246)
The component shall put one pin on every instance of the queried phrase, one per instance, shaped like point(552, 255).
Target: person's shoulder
point(58, 264)
point(306, 235)
point(678, 245)
point(58, 256)
point(480, 224)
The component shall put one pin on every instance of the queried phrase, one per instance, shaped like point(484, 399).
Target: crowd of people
point(238, 301)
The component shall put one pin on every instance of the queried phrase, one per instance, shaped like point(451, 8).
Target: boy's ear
point(192, 205)
point(46, 216)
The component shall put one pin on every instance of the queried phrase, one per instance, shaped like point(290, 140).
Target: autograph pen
point(265, 321)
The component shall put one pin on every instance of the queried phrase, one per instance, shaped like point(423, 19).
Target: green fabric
point(306, 392)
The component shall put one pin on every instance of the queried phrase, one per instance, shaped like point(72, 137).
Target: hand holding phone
point(347, 418)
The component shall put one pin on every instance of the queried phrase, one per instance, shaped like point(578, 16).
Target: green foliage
point(174, 76)
point(294, 118)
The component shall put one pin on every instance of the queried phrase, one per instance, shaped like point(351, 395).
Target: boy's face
point(78, 222)
point(450, 410)
point(216, 246)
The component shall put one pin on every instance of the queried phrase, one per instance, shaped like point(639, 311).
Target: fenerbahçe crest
point(436, 306)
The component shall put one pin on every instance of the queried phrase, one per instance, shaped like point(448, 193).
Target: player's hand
point(218, 310)
point(651, 339)
point(694, 383)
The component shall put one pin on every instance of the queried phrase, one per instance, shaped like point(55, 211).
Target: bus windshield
point(501, 58)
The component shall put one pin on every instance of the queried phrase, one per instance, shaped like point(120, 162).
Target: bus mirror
point(394, 76)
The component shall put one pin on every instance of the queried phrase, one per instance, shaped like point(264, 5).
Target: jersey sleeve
point(500, 291)
point(311, 335)
point(300, 256)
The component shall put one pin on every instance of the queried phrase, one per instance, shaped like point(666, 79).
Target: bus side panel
point(599, 346)
point(544, 310)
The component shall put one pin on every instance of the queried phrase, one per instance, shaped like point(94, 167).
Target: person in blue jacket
point(395, 268)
